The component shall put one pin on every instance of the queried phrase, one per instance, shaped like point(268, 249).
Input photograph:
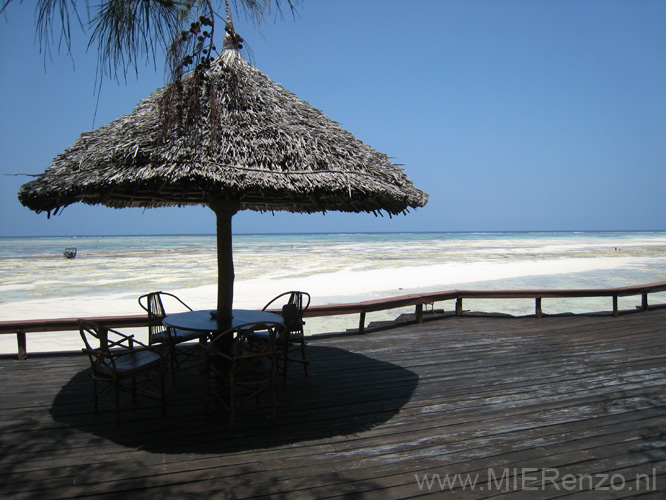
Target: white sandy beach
point(329, 288)
point(325, 288)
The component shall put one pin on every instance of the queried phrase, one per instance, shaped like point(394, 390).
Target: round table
point(204, 322)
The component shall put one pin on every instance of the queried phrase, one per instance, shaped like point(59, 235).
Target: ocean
point(110, 272)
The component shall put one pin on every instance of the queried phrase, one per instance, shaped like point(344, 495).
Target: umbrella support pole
point(225, 262)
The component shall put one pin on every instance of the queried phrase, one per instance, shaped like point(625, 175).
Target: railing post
point(537, 307)
point(361, 323)
point(616, 311)
point(459, 307)
point(22, 345)
point(419, 313)
point(644, 302)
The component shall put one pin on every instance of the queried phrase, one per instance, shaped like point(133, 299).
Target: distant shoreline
point(352, 233)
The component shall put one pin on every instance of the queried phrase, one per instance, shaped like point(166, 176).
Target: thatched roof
point(252, 143)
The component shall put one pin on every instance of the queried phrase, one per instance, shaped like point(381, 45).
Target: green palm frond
point(127, 32)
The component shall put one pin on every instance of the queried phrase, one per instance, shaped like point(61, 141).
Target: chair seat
point(119, 360)
point(131, 363)
point(185, 335)
point(178, 336)
point(298, 336)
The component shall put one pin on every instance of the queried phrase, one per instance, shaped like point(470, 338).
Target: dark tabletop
point(203, 321)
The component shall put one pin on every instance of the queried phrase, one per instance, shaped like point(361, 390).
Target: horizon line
point(305, 233)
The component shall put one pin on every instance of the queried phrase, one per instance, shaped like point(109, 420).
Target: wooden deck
point(515, 407)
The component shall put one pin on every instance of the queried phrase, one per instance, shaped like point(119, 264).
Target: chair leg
point(232, 406)
point(95, 396)
point(133, 389)
point(117, 396)
point(206, 377)
point(285, 366)
point(273, 398)
point(163, 390)
point(305, 361)
point(180, 358)
point(287, 361)
point(172, 359)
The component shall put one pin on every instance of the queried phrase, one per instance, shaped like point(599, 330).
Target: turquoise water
point(110, 272)
point(34, 267)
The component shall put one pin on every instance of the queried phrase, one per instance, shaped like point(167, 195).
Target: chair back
point(242, 364)
point(292, 310)
point(237, 352)
point(95, 338)
point(244, 344)
point(238, 356)
point(292, 318)
point(153, 304)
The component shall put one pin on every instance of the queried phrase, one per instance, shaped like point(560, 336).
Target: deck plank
point(474, 396)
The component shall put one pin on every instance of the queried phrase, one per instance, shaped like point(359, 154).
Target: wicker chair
point(117, 363)
point(158, 333)
point(245, 371)
point(291, 342)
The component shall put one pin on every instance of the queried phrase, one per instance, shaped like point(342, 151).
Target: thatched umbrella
point(231, 139)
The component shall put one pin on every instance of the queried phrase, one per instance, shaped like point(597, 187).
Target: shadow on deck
point(327, 403)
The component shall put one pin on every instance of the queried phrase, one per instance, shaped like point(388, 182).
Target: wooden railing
point(421, 299)
point(22, 327)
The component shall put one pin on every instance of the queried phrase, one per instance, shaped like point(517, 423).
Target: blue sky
point(511, 114)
